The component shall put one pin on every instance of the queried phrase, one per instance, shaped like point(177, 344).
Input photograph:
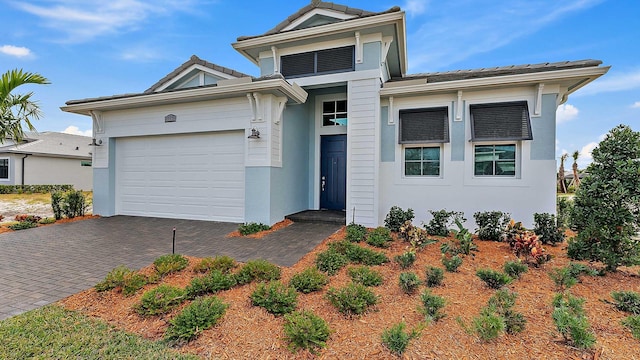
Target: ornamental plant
point(396, 339)
point(379, 237)
point(397, 217)
point(442, 219)
point(365, 275)
point(167, 264)
point(198, 316)
point(406, 259)
point(252, 228)
point(309, 280)
point(159, 300)
point(491, 224)
point(355, 232)
point(305, 330)
point(547, 228)
point(275, 297)
point(352, 299)
point(493, 279)
point(571, 321)
point(223, 263)
point(408, 282)
point(257, 270)
point(417, 237)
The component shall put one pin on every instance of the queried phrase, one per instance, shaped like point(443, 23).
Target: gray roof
point(454, 75)
point(194, 60)
point(51, 144)
point(358, 13)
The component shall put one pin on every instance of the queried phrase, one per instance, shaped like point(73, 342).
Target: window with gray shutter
point(429, 125)
point(318, 62)
point(500, 121)
point(298, 64)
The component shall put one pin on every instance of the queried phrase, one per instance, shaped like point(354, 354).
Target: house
point(47, 158)
point(333, 122)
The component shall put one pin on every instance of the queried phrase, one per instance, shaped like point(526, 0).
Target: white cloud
point(621, 81)
point(74, 130)
point(17, 51)
point(415, 7)
point(566, 112)
point(636, 105)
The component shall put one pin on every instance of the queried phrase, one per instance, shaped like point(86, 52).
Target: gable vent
point(318, 62)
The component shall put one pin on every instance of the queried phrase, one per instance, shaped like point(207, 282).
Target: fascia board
point(293, 92)
point(521, 79)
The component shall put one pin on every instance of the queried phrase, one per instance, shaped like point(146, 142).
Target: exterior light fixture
point(96, 143)
point(255, 134)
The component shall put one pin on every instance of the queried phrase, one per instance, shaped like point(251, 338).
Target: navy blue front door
point(333, 172)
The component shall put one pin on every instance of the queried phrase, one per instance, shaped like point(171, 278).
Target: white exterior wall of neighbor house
point(457, 189)
point(41, 170)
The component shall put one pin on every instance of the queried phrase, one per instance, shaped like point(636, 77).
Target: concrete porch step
point(319, 216)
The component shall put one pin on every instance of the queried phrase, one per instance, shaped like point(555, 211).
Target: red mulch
point(248, 332)
point(259, 235)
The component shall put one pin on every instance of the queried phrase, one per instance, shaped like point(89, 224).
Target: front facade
point(332, 122)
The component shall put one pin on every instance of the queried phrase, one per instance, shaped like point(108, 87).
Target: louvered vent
point(500, 121)
point(429, 125)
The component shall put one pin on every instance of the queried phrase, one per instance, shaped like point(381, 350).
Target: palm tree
point(561, 184)
point(576, 176)
point(17, 109)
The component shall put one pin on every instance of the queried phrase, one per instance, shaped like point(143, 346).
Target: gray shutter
point(429, 125)
point(500, 121)
point(336, 60)
point(297, 64)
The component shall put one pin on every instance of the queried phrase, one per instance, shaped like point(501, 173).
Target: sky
point(89, 48)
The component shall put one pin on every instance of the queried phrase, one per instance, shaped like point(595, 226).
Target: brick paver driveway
point(43, 265)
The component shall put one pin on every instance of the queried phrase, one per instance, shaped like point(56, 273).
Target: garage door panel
point(197, 176)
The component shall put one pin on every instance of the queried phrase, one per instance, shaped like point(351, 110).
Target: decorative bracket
point(252, 106)
point(282, 103)
point(96, 116)
point(276, 62)
point(359, 49)
point(386, 45)
point(459, 107)
point(258, 114)
point(538, 110)
point(390, 120)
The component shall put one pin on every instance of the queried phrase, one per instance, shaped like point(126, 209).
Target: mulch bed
point(259, 235)
point(248, 332)
point(4, 229)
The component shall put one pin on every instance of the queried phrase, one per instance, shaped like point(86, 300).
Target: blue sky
point(90, 48)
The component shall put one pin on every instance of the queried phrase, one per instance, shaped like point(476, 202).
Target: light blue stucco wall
point(387, 137)
point(371, 56)
point(257, 192)
point(104, 185)
point(266, 66)
point(543, 145)
point(457, 135)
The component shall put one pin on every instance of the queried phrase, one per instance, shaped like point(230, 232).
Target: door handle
point(323, 182)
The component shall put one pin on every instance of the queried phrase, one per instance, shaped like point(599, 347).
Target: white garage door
point(193, 176)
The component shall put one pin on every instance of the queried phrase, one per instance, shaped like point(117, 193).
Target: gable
point(317, 17)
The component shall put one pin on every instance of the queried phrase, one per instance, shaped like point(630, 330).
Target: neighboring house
point(47, 158)
point(333, 122)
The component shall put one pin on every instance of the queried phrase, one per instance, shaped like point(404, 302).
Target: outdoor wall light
point(96, 143)
point(255, 134)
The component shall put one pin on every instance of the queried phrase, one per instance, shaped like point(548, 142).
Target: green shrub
point(309, 280)
point(488, 325)
point(365, 276)
point(563, 209)
point(355, 232)
point(74, 204)
point(442, 219)
point(257, 270)
point(330, 261)
point(408, 282)
point(546, 227)
point(493, 279)
point(435, 275)
point(167, 264)
point(114, 279)
point(47, 220)
point(498, 317)
point(379, 237)
point(406, 259)
point(159, 300)
point(568, 276)
point(252, 228)
point(33, 189)
point(515, 268)
point(305, 330)
point(633, 323)
point(431, 305)
point(22, 225)
point(275, 297)
point(56, 204)
point(628, 301)
point(198, 316)
point(578, 269)
point(464, 241)
point(222, 263)
point(213, 282)
point(502, 301)
point(397, 217)
point(452, 263)
point(352, 299)
point(396, 339)
point(491, 224)
point(514, 322)
point(570, 320)
point(358, 254)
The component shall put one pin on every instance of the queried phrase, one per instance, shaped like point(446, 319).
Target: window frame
point(516, 159)
point(334, 113)
point(315, 62)
point(8, 169)
point(405, 147)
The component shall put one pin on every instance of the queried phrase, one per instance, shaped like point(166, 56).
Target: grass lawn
point(52, 332)
point(35, 199)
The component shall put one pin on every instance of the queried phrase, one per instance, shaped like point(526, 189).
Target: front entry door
point(333, 172)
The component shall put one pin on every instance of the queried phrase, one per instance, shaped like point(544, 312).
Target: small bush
point(222, 263)
point(252, 228)
point(257, 270)
point(452, 263)
point(47, 221)
point(358, 254)
point(22, 225)
point(352, 299)
point(563, 209)
point(114, 279)
point(578, 269)
point(365, 276)
point(514, 322)
point(435, 275)
point(355, 232)
point(417, 237)
point(379, 237)
point(56, 204)
point(628, 301)
point(546, 227)
point(215, 281)
point(488, 325)
point(515, 268)
point(198, 316)
point(570, 320)
point(406, 259)
point(493, 279)
point(463, 242)
point(159, 300)
point(568, 276)
point(305, 330)
point(133, 282)
point(167, 264)
point(498, 317)
point(330, 261)
point(442, 219)
point(275, 297)
point(408, 282)
point(397, 217)
point(491, 224)
point(396, 339)
point(502, 301)
point(633, 324)
point(309, 280)
point(73, 204)
point(431, 305)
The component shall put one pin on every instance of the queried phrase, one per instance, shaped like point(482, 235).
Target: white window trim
point(428, 145)
point(322, 113)
point(8, 178)
point(518, 159)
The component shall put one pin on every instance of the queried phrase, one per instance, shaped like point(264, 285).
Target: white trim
point(96, 117)
point(252, 106)
point(184, 72)
point(538, 109)
point(336, 78)
point(276, 60)
point(282, 103)
point(459, 108)
point(359, 48)
point(8, 178)
point(314, 12)
point(390, 119)
point(517, 160)
point(259, 110)
point(440, 147)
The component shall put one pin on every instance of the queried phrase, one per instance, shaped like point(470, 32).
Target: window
point(420, 126)
point(85, 163)
point(500, 121)
point(422, 161)
point(334, 113)
point(495, 160)
point(4, 169)
point(318, 62)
